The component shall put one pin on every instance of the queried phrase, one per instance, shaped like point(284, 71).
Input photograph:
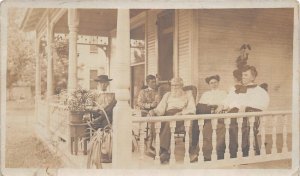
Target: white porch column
point(49, 68)
point(73, 23)
point(175, 46)
point(122, 127)
point(37, 76)
point(49, 58)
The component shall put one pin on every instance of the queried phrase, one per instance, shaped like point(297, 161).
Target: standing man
point(148, 99)
point(208, 103)
point(102, 100)
point(248, 97)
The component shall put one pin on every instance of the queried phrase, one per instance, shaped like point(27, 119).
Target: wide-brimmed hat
point(102, 78)
point(216, 77)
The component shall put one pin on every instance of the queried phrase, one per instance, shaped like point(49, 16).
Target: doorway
point(165, 28)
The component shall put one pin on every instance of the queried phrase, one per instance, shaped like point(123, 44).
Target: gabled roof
point(31, 19)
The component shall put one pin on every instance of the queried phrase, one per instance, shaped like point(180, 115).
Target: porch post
point(175, 46)
point(37, 76)
point(73, 23)
point(49, 58)
point(49, 68)
point(122, 141)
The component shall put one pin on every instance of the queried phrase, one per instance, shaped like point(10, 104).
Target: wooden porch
point(276, 138)
point(53, 123)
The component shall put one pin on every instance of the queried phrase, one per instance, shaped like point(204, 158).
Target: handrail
point(136, 119)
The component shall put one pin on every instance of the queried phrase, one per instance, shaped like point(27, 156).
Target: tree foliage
point(20, 60)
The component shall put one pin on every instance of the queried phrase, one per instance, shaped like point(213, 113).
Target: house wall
point(89, 61)
point(184, 45)
point(152, 52)
point(270, 34)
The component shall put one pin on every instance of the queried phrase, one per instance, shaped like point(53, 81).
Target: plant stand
point(78, 130)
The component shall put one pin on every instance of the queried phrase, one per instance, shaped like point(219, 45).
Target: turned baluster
point(251, 137)
point(157, 141)
point(240, 141)
point(227, 151)
point(274, 135)
point(200, 156)
point(284, 133)
point(142, 126)
point(263, 136)
point(172, 146)
point(214, 140)
point(187, 124)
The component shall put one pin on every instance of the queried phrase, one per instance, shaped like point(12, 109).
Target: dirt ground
point(23, 148)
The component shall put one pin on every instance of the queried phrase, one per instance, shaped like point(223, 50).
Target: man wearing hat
point(208, 103)
point(101, 99)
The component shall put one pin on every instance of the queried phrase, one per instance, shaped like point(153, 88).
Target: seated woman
point(208, 103)
point(176, 102)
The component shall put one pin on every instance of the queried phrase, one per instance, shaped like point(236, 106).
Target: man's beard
point(177, 93)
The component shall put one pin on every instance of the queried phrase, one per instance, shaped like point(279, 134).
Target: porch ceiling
point(31, 18)
point(91, 22)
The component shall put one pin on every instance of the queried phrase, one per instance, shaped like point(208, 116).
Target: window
point(137, 48)
point(137, 45)
point(94, 49)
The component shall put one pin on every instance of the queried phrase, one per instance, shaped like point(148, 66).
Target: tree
point(60, 63)
point(20, 60)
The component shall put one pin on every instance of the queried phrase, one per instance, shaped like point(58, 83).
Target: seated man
point(248, 97)
point(101, 99)
point(208, 103)
point(148, 99)
point(176, 102)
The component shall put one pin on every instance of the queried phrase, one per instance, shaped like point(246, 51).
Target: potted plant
point(77, 103)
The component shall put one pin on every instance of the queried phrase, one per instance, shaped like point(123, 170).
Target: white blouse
point(213, 97)
point(255, 97)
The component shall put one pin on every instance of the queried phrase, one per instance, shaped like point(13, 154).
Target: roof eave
point(24, 21)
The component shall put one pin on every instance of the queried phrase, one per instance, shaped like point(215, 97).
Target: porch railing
point(42, 112)
point(274, 152)
point(278, 138)
point(59, 120)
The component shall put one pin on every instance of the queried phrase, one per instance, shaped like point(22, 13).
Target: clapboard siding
point(184, 47)
point(152, 66)
point(268, 31)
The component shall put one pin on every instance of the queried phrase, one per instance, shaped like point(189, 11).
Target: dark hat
point(102, 78)
point(216, 77)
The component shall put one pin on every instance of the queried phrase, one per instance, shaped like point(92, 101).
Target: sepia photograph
point(171, 88)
